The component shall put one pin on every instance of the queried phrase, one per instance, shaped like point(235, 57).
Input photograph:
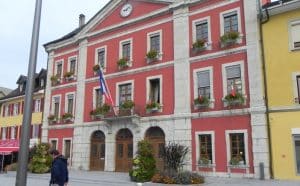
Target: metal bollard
point(261, 171)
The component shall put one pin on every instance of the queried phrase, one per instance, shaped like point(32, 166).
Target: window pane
point(126, 50)
point(297, 151)
point(237, 145)
point(231, 22)
point(203, 83)
point(67, 148)
point(54, 144)
point(101, 57)
point(72, 65)
point(295, 31)
point(99, 98)
point(234, 78)
point(59, 70)
point(298, 87)
point(155, 42)
point(124, 92)
point(202, 31)
point(205, 146)
point(154, 90)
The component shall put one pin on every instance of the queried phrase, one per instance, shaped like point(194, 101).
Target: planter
point(97, 116)
point(152, 60)
point(123, 63)
point(201, 106)
point(228, 42)
point(152, 110)
point(205, 162)
point(233, 103)
point(71, 78)
point(67, 120)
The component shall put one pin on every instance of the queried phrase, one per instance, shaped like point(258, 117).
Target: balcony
point(119, 113)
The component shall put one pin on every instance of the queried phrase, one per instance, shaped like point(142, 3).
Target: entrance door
point(156, 138)
point(124, 150)
point(97, 158)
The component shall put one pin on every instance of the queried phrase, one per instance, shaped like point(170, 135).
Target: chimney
point(263, 2)
point(81, 20)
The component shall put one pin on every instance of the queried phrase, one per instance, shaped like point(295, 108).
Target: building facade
point(12, 109)
point(189, 67)
point(282, 54)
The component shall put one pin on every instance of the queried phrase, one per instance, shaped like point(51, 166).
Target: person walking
point(59, 169)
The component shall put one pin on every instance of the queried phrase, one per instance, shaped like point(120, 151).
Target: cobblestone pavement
point(87, 178)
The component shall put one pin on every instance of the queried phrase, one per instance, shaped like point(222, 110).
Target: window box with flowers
point(199, 46)
point(152, 56)
point(237, 161)
point(204, 160)
point(67, 117)
point(234, 99)
point(229, 38)
point(100, 112)
point(153, 107)
point(126, 108)
point(201, 102)
point(69, 76)
point(52, 119)
point(55, 80)
point(123, 63)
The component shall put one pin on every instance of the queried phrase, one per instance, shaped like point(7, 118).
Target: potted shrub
point(123, 63)
point(201, 102)
point(55, 80)
point(67, 117)
point(126, 108)
point(229, 38)
point(199, 45)
point(96, 68)
point(234, 99)
point(52, 119)
point(69, 76)
point(153, 107)
point(99, 112)
point(152, 56)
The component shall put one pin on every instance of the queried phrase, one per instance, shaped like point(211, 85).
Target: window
point(59, 67)
point(37, 107)
point(70, 103)
point(56, 106)
point(35, 131)
point(6, 110)
point(53, 144)
point(125, 92)
point(4, 133)
point(67, 148)
point(205, 146)
point(155, 42)
point(73, 65)
point(203, 78)
point(237, 145)
point(98, 98)
point(231, 22)
point(233, 77)
point(13, 132)
point(295, 34)
point(202, 31)
point(101, 57)
point(154, 95)
point(298, 88)
point(16, 109)
point(297, 152)
point(125, 48)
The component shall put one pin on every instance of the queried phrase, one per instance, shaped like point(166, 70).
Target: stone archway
point(124, 150)
point(97, 155)
point(156, 137)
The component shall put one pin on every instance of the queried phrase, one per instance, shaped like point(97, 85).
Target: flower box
point(229, 38)
point(233, 99)
point(69, 76)
point(199, 46)
point(204, 161)
point(126, 108)
point(100, 112)
point(52, 119)
point(201, 102)
point(153, 107)
point(67, 117)
point(152, 56)
point(55, 80)
point(123, 63)
point(236, 161)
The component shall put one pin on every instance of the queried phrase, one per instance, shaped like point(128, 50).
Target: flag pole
point(21, 178)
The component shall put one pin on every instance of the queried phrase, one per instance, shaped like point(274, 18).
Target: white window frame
point(291, 40)
point(62, 68)
point(53, 101)
point(211, 76)
point(154, 33)
point(245, 132)
point(197, 134)
point(66, 102)
point(76, 63)
point(64, 146)
point(122, 83)
point(16, 109)
point(224, 77)
point(4, 130)
point(239, 21)
point(105, 56)
point(37, 106)
point(295, 88)
point(94, 97)
point(12, 132)
point(160, 77)
point(54, 139)
point(34, 126)
point(131, 49)
point(199, 21)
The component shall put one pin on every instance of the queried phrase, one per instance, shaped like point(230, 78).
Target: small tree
point(143, 164)
point(41, 159)
point(174, 155)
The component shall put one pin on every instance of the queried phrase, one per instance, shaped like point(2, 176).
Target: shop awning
point(9, 146)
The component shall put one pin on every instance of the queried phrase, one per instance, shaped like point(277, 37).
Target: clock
point(126, 10)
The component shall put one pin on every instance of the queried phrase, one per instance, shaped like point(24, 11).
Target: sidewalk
point(87, 178)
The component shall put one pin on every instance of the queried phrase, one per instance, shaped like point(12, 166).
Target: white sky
point(59, 17)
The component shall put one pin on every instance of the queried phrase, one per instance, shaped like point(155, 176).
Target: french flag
point(104, 89)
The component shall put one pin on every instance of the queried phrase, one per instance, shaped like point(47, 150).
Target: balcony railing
point(118, 113)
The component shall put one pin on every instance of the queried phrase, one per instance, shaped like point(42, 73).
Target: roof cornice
point(284, 7)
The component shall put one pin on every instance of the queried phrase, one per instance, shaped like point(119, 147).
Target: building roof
point(5, 91)
point(281, 6)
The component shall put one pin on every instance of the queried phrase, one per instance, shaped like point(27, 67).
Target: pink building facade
point(188, 80)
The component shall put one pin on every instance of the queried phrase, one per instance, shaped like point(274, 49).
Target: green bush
point(144, 164)
point(152, 54)
point(41, 159)
point(183, 178)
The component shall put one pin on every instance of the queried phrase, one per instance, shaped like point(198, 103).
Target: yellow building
point(12, 108)
point(281, 42)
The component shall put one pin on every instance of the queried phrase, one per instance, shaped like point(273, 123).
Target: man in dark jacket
point(59, 169)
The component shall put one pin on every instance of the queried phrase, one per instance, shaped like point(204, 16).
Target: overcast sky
point(59, 17)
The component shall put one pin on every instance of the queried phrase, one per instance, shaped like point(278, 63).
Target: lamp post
point(21, 178)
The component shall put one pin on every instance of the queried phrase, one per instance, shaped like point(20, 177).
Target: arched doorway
point(124, 150)
point(156, 137)
point(97, 157)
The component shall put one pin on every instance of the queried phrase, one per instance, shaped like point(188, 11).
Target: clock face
point(126, 10)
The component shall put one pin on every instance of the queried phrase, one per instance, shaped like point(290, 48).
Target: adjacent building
point(281, 41)
point(4, 91)
point(191, 70)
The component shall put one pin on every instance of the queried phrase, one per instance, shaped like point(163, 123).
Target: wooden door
point(97, 158)
point(124, 150)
